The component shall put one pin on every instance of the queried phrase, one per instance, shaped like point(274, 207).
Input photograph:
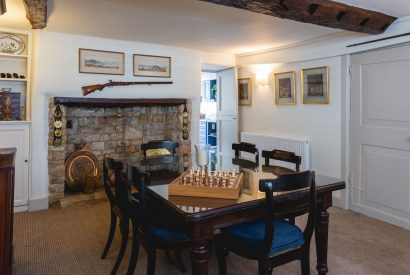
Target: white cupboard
point(16, 134)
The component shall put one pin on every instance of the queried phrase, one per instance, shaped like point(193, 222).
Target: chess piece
point(2, 75)
point(15, 75)
point(8, 75)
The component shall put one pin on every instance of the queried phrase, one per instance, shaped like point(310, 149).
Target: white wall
point(55, 73)
point(326, 125)
point(321, 124)
point(328, 46)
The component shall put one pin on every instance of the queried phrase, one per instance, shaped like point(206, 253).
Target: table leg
point(321, 234)
point(200, 258)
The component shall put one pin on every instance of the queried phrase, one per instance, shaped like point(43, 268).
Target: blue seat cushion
point(167, 233)
point(250, 237)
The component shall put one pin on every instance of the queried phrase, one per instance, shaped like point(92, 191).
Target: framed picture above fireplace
point(101, 62)
point(152, 65)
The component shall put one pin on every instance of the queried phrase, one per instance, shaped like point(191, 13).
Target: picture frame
point(101, 62)
point(285, 88)
point(245, 91)
point(151, 65)
point(315, 85)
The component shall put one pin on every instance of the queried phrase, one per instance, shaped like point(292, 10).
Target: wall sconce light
point(262, 72)
point(261, 79)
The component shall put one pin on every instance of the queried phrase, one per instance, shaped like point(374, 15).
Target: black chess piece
point(8, 75)
point(15, 75)
point(2, 75)
point(22, 76)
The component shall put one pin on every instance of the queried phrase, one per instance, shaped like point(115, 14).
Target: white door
point(227, 115)
point(380, 134)
point(16, 135)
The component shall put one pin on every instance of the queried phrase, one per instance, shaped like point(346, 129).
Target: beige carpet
point(70, 241)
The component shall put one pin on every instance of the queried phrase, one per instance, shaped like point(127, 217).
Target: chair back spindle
point(281, 155)
point(248, 148)
point(169, 146)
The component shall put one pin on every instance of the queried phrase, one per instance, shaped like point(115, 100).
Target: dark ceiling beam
point(2, 7)
point(320, 12)
point(36, 13)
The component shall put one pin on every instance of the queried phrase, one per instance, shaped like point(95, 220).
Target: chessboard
point(201, 183)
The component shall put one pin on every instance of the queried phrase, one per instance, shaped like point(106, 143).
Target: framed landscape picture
point(101, 62)
point(285, 88)
point(245, 91)
point(315, 86)
point(152, 65)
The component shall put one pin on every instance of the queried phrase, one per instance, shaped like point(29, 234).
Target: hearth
point(101, 128)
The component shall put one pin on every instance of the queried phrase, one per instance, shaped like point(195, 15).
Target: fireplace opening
point(91, 132)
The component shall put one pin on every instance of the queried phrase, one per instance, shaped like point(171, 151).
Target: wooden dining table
point(202, 217)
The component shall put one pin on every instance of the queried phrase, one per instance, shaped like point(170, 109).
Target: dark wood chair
point(273, 241)
point(112, 175)
point(160, 146)
point(152, 233)
point(164, 161)
point(281, 156)
point(243, 162)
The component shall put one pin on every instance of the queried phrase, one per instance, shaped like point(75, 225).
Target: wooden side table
point(6, 209)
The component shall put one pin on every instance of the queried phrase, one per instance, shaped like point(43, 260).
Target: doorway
point(218, 125)
point(380, 135)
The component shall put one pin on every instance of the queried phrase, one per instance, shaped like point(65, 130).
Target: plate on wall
point(11, 44)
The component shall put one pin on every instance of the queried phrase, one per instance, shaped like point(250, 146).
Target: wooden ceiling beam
point(36, 13)
point(2, 7)
point(320, 12)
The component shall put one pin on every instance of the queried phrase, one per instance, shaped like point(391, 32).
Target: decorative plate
point(81, 165)
point(12, 44)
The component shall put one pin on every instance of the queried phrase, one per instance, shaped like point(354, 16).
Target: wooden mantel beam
point(320, 12)
point(36, 13)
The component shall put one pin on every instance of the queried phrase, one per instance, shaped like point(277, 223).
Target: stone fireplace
point(113, 128)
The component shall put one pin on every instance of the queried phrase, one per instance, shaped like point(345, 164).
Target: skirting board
point(339, 202)
point(38, 203)
point(21, 208)
point(386, 217)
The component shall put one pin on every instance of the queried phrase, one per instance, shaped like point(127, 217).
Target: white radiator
point(266, 142)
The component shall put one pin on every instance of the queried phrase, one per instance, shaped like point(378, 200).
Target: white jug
point(202, 155)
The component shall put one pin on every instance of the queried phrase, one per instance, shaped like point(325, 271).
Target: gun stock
point(92, 88)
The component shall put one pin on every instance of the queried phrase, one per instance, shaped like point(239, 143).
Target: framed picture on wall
point(152, 65)
point(285, 88)
point(315, 85)
point(245, 91)
point(101, 62)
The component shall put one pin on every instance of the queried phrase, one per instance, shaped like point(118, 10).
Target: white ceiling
point(184, 23)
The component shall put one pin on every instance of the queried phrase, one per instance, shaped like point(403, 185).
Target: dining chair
point(112, 175)
point(153, 230)
point(280, 155)
point(244, 162)
point(160, 151)
point(273, 241)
